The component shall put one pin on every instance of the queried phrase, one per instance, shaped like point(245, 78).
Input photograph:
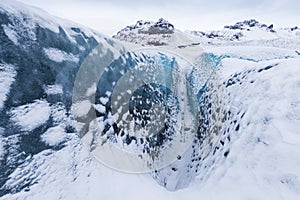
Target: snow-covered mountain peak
point(244, 30)
point(249, 32)
point(149, 33)
point(162, 26)
point(249, 25)
point(163, 33)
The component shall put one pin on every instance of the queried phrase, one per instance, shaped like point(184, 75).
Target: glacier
point(249, 111)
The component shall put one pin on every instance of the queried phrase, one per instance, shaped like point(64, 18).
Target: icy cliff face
point(39, 58)
point(248, 112)
point(248, 43)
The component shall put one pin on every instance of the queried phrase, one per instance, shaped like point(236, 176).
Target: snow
point(255, 36)
point(259, 34)
point(132, 39)
point(261, 87)
point(253, 53)
point(104, 100)
point(100, 108)
point(261, 163)
point(34, 13)
point(1, 149)
point(54, 136)
point(11, 34)
point(31, 116)
point(42, 18)
point(91, 90)
point(236, 65)
point(59, 114)
point(1, 144)
point(59, 56)
point(261, 159)
point(54, 89)
point(76, 182)
point(81, 108)
point(7, 74)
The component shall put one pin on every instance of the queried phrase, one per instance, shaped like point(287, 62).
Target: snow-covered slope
point(250, 33)
point(148, 33)
point(248, 42)
point(159, 35)
point(256, 159)
point(249, 110)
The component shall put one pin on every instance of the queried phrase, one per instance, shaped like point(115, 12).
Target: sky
point(109, 16)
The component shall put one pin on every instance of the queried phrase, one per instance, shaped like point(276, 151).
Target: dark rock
point(294, 28)
point(247, 25)
point(162, 26)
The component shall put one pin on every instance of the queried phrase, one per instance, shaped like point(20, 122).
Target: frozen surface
point(54, 136)
point(1, 148)
point(263, 154)
point(253, 53)
point(11, 34)
point(264, 147)
point(1, 144)
point(30, 116)
point(59, 56)
point(54, 89)
point(82, 108)
point(7, 74)
point(40, 17)
point(257, 158)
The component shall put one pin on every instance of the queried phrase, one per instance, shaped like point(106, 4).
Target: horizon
point(108, 18)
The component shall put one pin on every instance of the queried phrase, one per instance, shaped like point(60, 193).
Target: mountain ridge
point(239, 32)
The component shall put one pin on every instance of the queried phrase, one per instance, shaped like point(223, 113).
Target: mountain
point(245, 79)
point(148, 33)
point(250, 33)
point(161, 30)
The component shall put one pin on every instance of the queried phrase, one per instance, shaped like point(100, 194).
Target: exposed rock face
point(147, 33)
point(162, 26)
point(247, 24)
